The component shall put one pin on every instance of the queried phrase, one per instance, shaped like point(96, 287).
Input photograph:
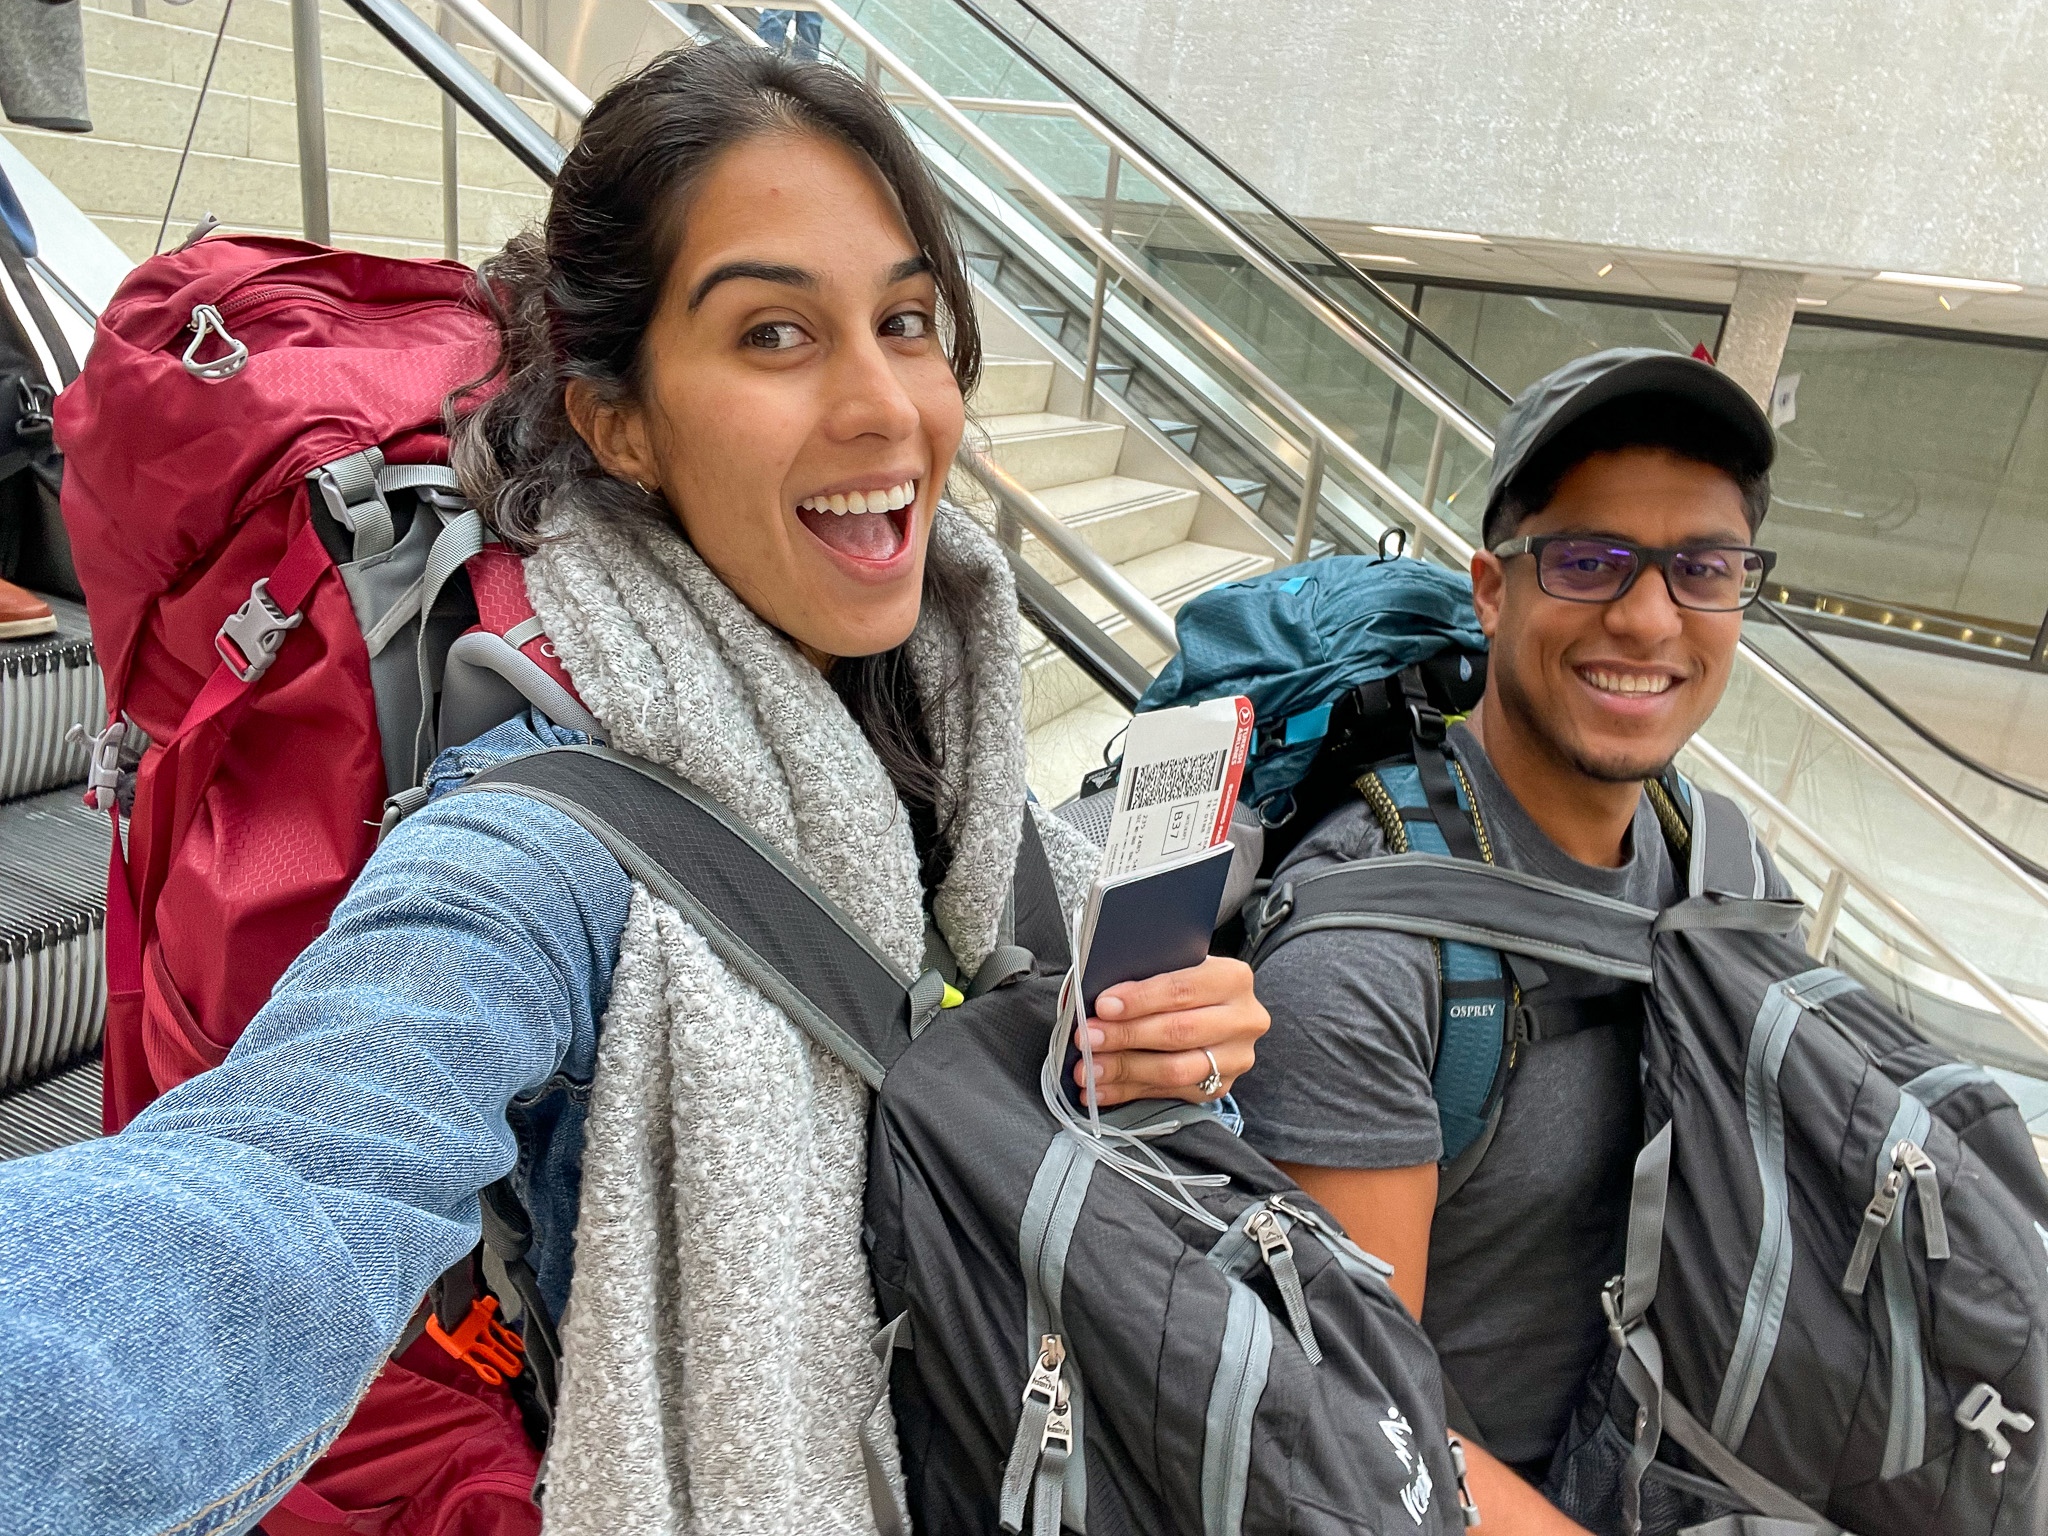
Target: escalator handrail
point(2001, 999)
point(1179, 130)
point(1899, 712)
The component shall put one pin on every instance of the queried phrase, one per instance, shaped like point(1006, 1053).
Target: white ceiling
point(1651, 274)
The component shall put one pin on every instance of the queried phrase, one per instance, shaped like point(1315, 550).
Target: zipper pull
point(1278, 1252)
point(1468, 1507)
point(1047, 1419)
point(1927, 1187)
point(1876, 1217)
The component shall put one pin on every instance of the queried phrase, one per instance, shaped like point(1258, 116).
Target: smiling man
point(1625, 494)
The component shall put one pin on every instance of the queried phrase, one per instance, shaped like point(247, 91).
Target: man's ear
point(616, 433)
point(1489, 586)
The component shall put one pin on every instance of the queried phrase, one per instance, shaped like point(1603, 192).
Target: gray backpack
point(1153, 1331)
point(1834, 1315)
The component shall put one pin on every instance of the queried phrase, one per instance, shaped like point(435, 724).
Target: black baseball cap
point(1558, 399)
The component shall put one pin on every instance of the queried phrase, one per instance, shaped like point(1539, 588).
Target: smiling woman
point(729, 392)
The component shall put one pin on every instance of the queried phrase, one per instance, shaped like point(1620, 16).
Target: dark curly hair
point(574, 299)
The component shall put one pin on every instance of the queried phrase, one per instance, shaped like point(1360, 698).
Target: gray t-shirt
point(1518, 1255)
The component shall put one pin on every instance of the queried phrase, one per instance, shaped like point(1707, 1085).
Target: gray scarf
point(716, 1362)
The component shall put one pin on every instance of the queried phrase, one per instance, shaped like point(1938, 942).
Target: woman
point(733, 369)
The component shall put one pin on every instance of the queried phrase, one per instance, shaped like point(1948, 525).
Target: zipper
point(1240, 1381)
point(1047, 1417)
point(1278, 1253)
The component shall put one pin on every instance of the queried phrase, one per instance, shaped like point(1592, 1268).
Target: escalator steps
point(53, 912)
point(47, 685)
point(54, 1113)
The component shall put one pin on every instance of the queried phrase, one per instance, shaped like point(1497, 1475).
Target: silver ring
point(1211, 1085)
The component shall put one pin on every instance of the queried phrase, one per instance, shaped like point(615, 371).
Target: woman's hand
point(1151, 1036)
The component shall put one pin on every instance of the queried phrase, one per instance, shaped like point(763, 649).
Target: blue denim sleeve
point(189, 1310)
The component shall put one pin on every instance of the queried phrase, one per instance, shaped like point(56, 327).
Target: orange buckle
point(481, 1342)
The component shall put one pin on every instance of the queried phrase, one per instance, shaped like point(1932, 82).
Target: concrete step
point(144, 48)
point(129, 182)
point(343, 34)
point(1043, 449)
point(1120, 517)
point(158, 113)
point(1011, 385)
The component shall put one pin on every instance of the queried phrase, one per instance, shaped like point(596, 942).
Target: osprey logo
point(1470, 1010)
point(1401, 1436)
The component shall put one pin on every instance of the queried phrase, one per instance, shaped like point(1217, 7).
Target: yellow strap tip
point(952, 997)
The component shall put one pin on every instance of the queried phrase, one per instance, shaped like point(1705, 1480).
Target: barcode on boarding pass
point(1177, 778)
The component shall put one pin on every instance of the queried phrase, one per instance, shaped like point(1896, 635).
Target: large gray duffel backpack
point(1835, 1307)
point(1149, 1331)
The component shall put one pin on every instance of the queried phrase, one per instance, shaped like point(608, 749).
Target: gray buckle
point(1983, 1412)
point(251, 636)
point(103, 778)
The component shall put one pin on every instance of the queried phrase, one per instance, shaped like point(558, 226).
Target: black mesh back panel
point(760, 900)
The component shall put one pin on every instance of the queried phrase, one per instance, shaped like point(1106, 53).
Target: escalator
point(1163, 334)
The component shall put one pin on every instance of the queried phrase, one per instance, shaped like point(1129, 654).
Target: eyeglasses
point(1708, 578)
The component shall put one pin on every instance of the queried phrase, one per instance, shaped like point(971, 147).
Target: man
point(1625, 492)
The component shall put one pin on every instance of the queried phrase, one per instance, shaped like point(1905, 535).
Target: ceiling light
point(1377, 258)
point(1971, 284)
point(1605, 270)
point(1430, 234)
point(1812, 303)
point(1942, 298)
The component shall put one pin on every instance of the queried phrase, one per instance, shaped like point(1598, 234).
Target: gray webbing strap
point(1485, 904)
point(525, 630)
point(890, 1518)
point(927, 997)
point(1046, 1489)
point(1748, 1484)
point(350, 488)
point(1749, 915)
point(1641, 1364)
point(461, 538)
point(1020, 1474)
point(418, 477)
point(1751, 1525)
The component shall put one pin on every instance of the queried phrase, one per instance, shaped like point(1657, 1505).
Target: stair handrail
point(1426, 524)
point(522, 56)
point(1016, 501)
point(2001, 999)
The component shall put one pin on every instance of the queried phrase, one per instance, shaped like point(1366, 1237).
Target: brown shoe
point(23, 614)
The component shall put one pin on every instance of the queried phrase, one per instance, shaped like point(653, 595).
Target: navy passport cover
point(1156, 921)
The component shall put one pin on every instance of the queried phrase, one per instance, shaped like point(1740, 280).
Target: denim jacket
point(190, 1310)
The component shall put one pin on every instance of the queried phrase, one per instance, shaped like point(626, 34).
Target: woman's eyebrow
point(760, 271)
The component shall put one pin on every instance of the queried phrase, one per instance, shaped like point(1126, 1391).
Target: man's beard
point(1614, 770)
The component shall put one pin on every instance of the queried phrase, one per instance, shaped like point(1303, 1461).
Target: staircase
point(1141, 526)
point(384, 133)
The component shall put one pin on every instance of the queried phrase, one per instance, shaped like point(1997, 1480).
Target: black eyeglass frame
point(1646, 557)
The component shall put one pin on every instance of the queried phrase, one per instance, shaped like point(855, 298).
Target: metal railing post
point(1101, 290)
point(1435, 471)
point(311, 97)
point(1828, 914)
point(1311, 494)
point(451, 183)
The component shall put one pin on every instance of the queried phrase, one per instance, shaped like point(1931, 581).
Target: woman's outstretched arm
point(189, 1310)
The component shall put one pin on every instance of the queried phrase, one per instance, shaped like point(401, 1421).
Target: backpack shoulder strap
point(756, 911)
point(1476, 995)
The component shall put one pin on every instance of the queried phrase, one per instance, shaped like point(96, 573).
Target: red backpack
point(259, 508)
